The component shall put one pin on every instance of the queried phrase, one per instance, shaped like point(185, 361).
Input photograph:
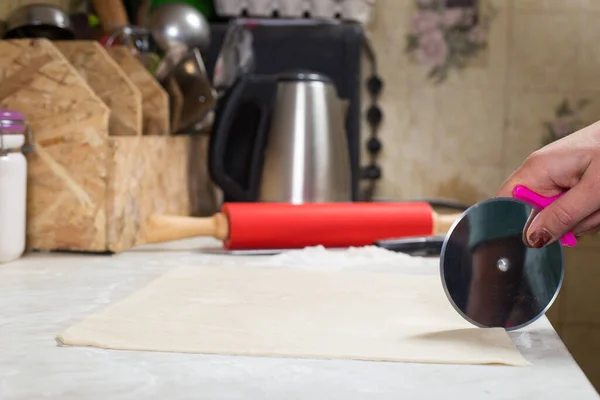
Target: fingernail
point(539, 238)
point(530, 219)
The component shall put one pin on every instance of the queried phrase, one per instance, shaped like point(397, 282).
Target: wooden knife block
point(96, 173)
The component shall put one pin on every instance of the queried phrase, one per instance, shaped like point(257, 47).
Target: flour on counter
point(367, 257)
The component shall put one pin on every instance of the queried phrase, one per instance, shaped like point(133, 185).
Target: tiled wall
point(461, 138)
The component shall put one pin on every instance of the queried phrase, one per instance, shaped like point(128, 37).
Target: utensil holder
point(90, 184)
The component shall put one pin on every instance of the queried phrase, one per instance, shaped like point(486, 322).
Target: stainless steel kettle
point(299, 149)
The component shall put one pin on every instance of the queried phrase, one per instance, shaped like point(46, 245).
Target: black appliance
point(333, 50)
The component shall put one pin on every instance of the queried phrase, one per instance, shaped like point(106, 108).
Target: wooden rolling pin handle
point(443, 222)
point(164, 228)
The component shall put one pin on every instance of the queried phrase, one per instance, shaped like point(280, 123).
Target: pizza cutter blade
point(489, 275)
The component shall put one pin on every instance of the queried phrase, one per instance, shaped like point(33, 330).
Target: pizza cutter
point(489, 275)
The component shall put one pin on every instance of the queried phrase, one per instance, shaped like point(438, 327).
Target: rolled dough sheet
point(295, 313)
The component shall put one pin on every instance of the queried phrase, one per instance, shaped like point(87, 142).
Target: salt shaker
point(14, 132)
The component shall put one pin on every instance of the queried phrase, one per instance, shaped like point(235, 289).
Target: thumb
point(561, 216)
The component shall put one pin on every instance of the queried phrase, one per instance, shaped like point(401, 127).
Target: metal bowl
point(177, 24)
point(39, 21)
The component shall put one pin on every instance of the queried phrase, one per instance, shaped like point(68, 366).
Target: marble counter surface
point(42, 294)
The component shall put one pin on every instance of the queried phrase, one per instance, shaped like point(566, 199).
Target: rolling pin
point(284, 225)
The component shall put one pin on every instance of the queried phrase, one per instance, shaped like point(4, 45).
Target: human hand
point(571, 164)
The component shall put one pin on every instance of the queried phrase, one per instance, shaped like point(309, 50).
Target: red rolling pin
point(244, 226)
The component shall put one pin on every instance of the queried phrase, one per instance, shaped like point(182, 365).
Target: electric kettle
point(294, 149)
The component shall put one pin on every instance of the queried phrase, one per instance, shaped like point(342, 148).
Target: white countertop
point(42, 294)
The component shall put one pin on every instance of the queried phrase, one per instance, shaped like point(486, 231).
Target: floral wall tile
point(524, 131)
point(386, 27)
point(499, 101)
point(470, 125)
point(449, 35)
point(488, 69)
point(567, 119)
point(585, 5)
point(455, 179)
point(543, 50)
point(550, 5)
point(588, 56)
point(536, 118)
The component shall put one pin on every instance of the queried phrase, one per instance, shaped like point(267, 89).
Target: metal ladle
point(181, 32)
point(177, 24)
point(177, 28)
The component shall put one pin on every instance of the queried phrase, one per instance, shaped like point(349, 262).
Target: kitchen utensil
point(189, 79)
point(112, 14)
point(438, 202)
point(284, 225)
point(170, 60)
point(299, 129)
point(236, 57)
point(39, 21)
point(179, 24)
point(134, 37)
point(490, 277)
point(137, 40)
point(424, 246)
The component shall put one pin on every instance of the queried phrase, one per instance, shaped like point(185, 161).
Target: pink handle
point(541, 202)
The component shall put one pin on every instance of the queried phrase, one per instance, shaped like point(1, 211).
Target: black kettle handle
point(258, 90)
